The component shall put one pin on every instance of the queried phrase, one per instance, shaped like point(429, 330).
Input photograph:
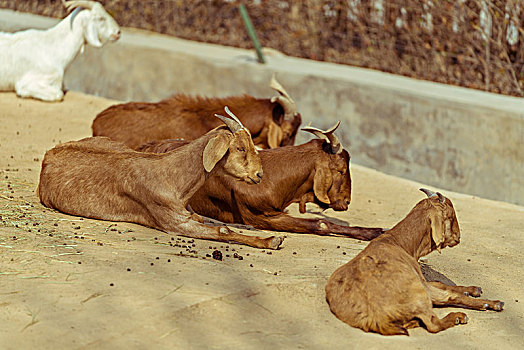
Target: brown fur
point(382, 289)
point(190, 117)
point(103, 179)
point(292, 174)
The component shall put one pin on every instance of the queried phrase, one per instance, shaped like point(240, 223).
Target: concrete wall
point(460, 139)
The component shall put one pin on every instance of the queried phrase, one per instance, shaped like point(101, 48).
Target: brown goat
point(272, 122)
point(103, 179)
point(383, 290)
point(317, 171)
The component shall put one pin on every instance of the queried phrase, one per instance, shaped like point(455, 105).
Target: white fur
point(32, 62)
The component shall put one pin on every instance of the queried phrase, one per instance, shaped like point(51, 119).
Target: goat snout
point(255, 180)
point(259, 175)
point(453, 242)
point(115, 36)
point(340, 205)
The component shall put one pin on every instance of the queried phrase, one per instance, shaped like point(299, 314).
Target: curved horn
point(335, 143)
point(327, 135)
point(317, 132)
point(428, 193)
point(232, 123)
point(71, 5)
point(290, 108)
point(228, 111)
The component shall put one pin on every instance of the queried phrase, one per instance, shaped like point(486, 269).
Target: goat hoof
point(323, 226)
point(275, 242)
point(476, 292)
point(461, 318)
point(498, 306)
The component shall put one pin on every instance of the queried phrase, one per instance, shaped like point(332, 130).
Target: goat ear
point(215, 149)
point(321, 184)
point(91, 34)
point(437, 230)
point(274, 135)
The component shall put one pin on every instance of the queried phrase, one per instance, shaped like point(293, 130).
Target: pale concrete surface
point(56, 270)
point(458, 139)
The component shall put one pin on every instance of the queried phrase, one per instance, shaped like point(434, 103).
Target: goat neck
point(70, 35)
point(290, 169)
point(413, 233)
point(188, 180)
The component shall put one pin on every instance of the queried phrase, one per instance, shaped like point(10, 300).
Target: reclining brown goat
point(272, 122)
point(103, 179)
point(317, 171)
point(382, 289)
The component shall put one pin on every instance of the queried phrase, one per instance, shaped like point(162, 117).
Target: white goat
point(32, 62)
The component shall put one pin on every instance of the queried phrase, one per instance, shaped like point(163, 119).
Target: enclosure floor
point(65, 281)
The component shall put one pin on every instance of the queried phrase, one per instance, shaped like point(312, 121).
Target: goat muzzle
point(339, 205)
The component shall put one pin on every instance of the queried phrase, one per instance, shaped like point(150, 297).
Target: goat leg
point(308, 197)
point(362, 233)
point(223, 234)
point(447, 296)
point(40, 86)
point(185, 225)
point(434, 324)
point(468, 291)
point(284, 222)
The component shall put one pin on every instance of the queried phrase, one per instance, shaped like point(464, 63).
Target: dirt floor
point(68, 282)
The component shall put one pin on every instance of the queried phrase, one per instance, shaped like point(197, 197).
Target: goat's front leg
point(195, 229)
point(308, 197)
point(471, 291)
point(45, 87)
point(287, 223)
point(434, 324)
point(183, 224)
point(455, 296)
point(362, 233)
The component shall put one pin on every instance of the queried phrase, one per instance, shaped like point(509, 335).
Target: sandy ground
point(68, 282)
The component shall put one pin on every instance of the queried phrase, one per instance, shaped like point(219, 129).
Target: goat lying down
point(317, 171)
point(382, 289)
point(33, 62)
point(272, 122)
point(103, 179)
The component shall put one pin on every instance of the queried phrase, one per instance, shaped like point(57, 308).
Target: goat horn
point(232, 123)
point(335, 142)
point(327, 135)
point(441, 197)
point(71, 5)
point(228, 111)
point(290, 108)
point(428, 193)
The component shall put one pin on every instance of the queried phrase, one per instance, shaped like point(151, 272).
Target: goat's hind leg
point(445, 295)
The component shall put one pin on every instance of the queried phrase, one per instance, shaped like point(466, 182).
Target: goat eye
point(241, 149)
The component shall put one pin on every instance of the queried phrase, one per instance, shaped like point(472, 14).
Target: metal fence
point(472, 43)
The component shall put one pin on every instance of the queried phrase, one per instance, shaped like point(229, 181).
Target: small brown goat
point(103, 179)
point(272, 122)
point(383, 290)
point(317, 171)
